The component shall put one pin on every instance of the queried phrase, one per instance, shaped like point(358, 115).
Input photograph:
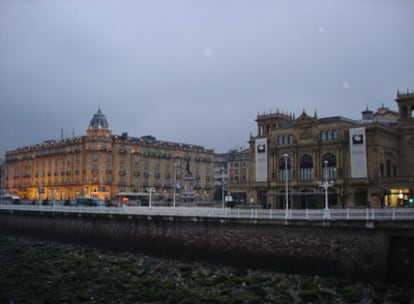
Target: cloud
point(194, 72)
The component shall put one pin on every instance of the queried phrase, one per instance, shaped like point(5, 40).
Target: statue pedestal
point(189, 195)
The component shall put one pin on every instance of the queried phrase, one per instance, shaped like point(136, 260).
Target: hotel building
point(104, 165)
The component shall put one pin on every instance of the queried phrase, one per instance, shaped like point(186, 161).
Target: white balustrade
point(380, 214)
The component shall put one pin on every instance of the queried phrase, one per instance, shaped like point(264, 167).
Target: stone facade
point(104, 165)
point(306, 151)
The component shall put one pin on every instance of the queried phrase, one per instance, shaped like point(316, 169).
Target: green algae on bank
point(47, 272)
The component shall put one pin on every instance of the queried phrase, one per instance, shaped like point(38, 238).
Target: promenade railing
point(377, 214)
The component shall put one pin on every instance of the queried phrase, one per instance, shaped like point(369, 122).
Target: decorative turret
point(405, 103)
point(267, 122)
point(367, 115)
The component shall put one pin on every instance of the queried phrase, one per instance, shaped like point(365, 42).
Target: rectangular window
point(381, 170)
point(361, 197)
point(388, 168)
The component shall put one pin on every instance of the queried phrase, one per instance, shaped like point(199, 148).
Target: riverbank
point(48, 272)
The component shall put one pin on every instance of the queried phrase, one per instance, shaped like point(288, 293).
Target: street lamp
point(286, 156)
point(325, 184)
point(175, 176)
point(149, 189)
point(2, 172)
point(222, 187)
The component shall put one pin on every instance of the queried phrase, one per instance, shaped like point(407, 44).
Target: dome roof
point(98, 121)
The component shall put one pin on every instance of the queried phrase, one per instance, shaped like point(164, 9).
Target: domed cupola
point(98, 126)
point(98, 121)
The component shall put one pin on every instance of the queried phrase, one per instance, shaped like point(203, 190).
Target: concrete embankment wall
point(352, 249)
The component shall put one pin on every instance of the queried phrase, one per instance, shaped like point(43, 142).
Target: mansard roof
point(335, 119)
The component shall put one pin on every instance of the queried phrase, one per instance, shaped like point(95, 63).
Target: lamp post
point(2, 192)
point(175, 176)
point(286, 156)
point(325, 184)
point(149, 189)
point(222, 187)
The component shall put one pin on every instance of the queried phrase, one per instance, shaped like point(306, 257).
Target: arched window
point(328, 135)
point(330, 170)
point(306, 167)
point(290, 140)
point(278, 141)
point(284, 140)
point(334, 134)
point(94, 168)
point(283, 163)
point(322, 135)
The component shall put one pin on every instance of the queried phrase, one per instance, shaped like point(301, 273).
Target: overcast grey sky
point(195, 72)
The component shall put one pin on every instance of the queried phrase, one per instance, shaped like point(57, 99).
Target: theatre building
point(359, 163)
point(104, 165)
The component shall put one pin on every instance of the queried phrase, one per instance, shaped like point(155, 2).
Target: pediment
point(305, 119)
